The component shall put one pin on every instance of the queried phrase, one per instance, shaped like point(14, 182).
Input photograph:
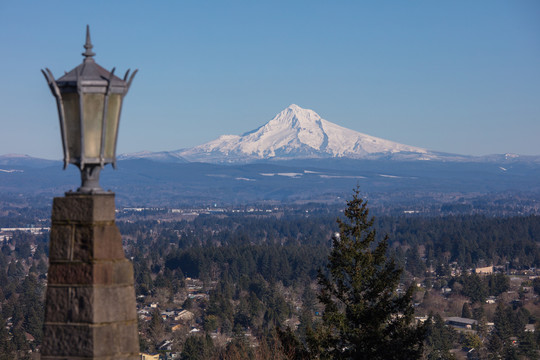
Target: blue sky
point(454, 76)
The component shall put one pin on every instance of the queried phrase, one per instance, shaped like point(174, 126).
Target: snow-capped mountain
point(300, 133)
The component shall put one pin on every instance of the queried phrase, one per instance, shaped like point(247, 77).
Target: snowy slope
point(300, 133)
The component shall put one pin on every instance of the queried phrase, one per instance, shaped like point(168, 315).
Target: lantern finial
point(88, 46)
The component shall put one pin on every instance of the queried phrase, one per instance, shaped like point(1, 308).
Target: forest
point(251, 282)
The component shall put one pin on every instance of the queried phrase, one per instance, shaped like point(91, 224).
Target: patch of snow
point(341, 177)
point(244, 179)
point(292, 175)
point(391, 176)
point(11, 171)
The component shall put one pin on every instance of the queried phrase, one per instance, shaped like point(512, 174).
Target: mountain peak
point(296, 132)
point(298, 111)
point(295, 117)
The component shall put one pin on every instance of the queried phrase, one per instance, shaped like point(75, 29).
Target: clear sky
point(454, 76)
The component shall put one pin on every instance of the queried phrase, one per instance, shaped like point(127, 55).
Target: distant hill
point(18, 160)
point(413, 183)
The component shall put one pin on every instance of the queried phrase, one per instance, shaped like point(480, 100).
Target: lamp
point(89, 100)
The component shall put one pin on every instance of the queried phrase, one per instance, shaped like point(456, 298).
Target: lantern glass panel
point(113, 114)
point(93, 124)
point(72, 124)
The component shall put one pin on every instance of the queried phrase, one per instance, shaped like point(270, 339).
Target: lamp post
point(90, 310)
point(89, 100)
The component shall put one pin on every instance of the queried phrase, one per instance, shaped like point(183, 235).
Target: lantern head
point(89, 100)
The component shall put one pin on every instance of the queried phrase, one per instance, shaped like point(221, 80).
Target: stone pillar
point(90, 310)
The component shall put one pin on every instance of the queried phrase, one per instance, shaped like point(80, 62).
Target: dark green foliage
point(469, 239)
point(439, 338)
point(188, 304)
point(6, 345)
point(528, 346)
point(156, 329)
point(291, 347)
point(363, 317)
point(536, 285)
point(23, 250)
point(497, 284)
point(473, 287)
point(414, 263)
point(15, 270)
point(466, 311)
point(509, 327)
point(237, 349)
point(19, 340)
point(197, 348)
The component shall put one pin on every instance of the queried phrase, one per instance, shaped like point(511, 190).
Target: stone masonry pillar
point(90, 308)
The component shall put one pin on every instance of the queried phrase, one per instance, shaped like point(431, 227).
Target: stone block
point(108, 243)
point(90, 304)
point(123, 272)
point(84, 208)
point(61, 242)
point(99, 273)
point(65, 340)
point(94, 341)
point(115, 357)
point(97, 242)
point(69, 304)
point(113, 273)
point(119, 338)
point(70, 274)
point(114, 303)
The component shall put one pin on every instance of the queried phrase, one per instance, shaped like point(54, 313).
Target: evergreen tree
point(498, 283)
point(466, 310)
point(156, 329)
point(197, 348)
point(363, 317)
point(439, 338)
point(500, 343)
point(474, 288)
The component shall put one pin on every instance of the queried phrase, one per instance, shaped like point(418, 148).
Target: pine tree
point(156, 329)
point(439, 339)
point(466, 310)
point(364, 318)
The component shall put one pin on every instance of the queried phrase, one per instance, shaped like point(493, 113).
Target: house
point(145, 356)
point(488, 270)
point(166, 345)
point(176, 327)
point(459, 322)
point(184, 315)
point(167, 313)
